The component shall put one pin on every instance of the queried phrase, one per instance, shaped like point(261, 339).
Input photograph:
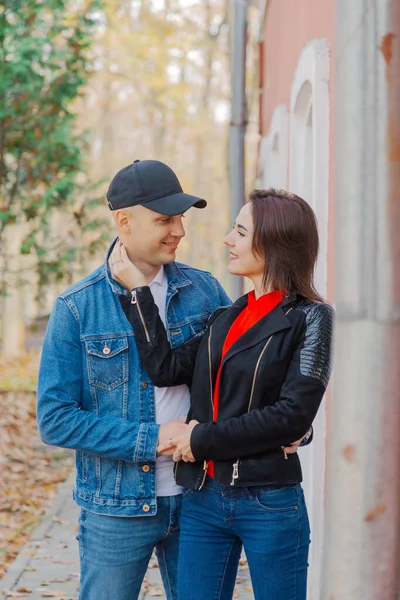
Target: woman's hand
point(181, 443)
point(292, 449)
point(168, 431)
point(123, 270)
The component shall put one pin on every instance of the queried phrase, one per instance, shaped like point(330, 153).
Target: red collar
point(264, 304)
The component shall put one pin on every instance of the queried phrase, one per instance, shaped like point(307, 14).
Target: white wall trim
point(272, 165)
point(262, 7)
point(310, 96)
point(313, 67)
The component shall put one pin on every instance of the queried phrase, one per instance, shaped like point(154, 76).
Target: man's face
point(149, 237)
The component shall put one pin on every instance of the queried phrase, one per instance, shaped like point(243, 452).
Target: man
point(94, 396)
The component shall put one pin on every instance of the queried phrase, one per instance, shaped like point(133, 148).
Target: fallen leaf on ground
point(31, 471)
point(60, 521)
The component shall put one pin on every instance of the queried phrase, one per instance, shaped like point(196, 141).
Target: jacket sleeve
point(308, 438)
point(164, 365)
point(291, 416)
point(223, 297)
point(61, 419)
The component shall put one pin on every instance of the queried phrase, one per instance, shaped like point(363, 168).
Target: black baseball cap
point(152, 184)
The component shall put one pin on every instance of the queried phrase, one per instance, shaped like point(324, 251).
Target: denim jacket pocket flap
point(107, 348)
point(199, 324)
point(107, 361)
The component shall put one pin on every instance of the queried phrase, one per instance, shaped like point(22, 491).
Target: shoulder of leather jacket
point(212, 318)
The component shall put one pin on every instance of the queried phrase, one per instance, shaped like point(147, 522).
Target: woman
point(257, 375)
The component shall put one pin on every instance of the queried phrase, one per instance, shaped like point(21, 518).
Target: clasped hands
point(174, 440)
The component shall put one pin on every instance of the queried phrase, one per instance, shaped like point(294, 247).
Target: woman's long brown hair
point(286, 237)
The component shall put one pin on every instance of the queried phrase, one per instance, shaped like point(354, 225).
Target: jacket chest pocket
point(199, 325)
point(107, 361)
point(182, 333)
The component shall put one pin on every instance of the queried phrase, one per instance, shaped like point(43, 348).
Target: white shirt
point(171, 402)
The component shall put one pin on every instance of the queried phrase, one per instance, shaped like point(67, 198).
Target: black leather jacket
point(272, 382)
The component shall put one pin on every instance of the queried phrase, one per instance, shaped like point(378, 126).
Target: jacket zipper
point(205, 467)
point(209, 368)
point(235, 471)
point(134, 300)
point(205, 464)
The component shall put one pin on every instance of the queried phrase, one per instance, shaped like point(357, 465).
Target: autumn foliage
point(44, 63)
point(30, 471)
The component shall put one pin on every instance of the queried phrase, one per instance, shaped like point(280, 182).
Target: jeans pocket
point(276, 499)
point(303, 505)
point(186, 492)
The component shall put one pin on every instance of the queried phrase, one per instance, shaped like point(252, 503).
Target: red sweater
point(254, 311)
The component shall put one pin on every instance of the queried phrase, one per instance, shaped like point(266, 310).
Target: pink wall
point(288, 26)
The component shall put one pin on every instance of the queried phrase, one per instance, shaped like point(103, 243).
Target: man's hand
point(168, 432)
point(123, 270)
point(180, 445)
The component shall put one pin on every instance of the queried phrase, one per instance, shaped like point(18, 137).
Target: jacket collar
point(289, 299)
point(274, 321)
point(176, 277)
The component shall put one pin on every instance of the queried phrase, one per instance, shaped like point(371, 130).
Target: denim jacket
point(95, 397)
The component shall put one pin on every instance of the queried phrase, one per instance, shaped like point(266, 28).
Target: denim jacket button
point(106, 350)
point(145, 385)
point(146, 507)
point(146, 469)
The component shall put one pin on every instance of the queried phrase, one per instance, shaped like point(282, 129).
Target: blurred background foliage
point(161, 89)
point(44, 64)
point(86, 87)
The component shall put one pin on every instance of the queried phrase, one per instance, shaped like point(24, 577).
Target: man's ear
point(121, 217)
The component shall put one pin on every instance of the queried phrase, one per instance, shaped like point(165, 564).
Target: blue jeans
point(270, 522)
point(115, 551)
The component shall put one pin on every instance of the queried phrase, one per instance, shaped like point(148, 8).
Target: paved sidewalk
point(48, 566)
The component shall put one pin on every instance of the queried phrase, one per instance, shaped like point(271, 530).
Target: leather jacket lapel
point(273, 322)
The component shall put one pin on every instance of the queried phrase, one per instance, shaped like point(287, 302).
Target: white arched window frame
point(274, 151)
point(301, 143)
point(309, 140)
point(309, 178)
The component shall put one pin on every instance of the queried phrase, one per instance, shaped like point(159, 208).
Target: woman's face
point(241, 258)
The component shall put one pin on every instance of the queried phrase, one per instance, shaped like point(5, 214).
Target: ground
point(31, 472)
